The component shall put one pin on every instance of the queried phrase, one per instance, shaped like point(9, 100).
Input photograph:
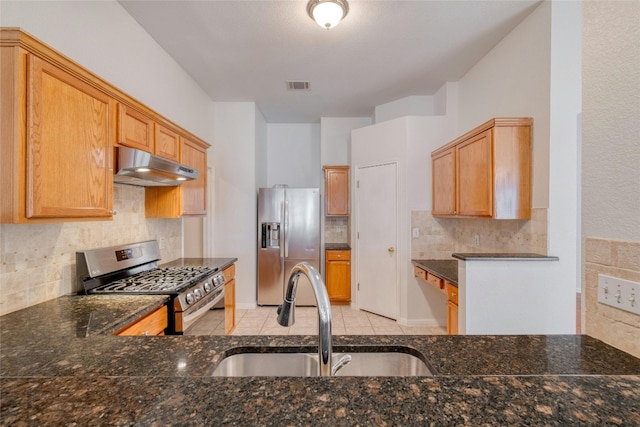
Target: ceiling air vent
point(293, 85)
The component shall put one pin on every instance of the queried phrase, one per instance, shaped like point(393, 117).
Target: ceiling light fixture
point(327, 13)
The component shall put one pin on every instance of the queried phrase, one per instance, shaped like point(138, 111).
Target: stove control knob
point(198, 294)
point(207, 287)
point(190, 298)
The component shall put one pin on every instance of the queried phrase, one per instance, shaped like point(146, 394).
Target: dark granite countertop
point(445, 268)
point(52, 374)
point(337, 247)
point(507, 256)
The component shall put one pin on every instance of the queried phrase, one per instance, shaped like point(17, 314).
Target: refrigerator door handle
point(286, 228)
point(282, 231)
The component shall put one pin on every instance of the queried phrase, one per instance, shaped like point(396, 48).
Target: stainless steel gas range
point(133, 269)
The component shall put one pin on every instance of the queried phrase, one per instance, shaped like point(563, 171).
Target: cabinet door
point(474, 176)
point(167, 143)
point(338, 276)
point(152, 324)
point(135, 129)
point(194, 194)
point(443, 183)
point(69, 146)
point(229, 306)
point(337, 190)
point(452, 318)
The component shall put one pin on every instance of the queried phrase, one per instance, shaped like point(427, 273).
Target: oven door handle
point(187, 319)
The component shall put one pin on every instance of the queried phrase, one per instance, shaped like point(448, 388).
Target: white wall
point(335, 137)
point(293, 154)
point(611, 163)
point(233, 155)
point(563, 217)
point(104, 38)
point(535, 72)
point(512, 80)
point(407, 141)
point(611, 150)
point(407, 106)
point(261, 150)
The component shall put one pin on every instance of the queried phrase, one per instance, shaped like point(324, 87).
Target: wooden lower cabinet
point(452, 309)
point(229, 299)
point(449, 289)
point(152, 324)
point(338, 275)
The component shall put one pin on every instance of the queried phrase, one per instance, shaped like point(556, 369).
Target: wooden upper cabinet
point(474, 189)
point(135, 129)
point(189, 198)
point(194, 194)
point(336, 187)
point(489, 169)
point(167, 143)
point(59, 125)
point(69, 141)
point(444, 183)
point(57, 141)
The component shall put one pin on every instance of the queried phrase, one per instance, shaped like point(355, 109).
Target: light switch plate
point(415, 232)
point(619, 293)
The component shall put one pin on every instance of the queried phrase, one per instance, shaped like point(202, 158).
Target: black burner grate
point(166, 279)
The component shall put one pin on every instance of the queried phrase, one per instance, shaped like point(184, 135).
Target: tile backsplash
point(336, 229)
point(440, 237)
point(37, 261)
point(615, 258)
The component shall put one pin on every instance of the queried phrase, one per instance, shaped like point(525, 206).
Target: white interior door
point(377, 239)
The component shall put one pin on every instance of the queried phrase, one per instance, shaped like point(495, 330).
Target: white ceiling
point(243, 50)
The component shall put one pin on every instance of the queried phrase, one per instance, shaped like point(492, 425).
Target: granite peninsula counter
point(56, 370)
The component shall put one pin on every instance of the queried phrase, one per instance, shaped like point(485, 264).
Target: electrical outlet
point(415, 232)
point(476, 240)
point(619, 293)
point(161, 243)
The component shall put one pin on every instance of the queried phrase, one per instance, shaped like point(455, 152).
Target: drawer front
point(452, 293)
point(332, 255)
point(435, 281)
point(153, 323)
point(419, 273)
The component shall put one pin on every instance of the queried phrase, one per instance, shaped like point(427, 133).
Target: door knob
point(391, 249)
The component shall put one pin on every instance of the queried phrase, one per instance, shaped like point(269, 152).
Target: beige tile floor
point(345, 321)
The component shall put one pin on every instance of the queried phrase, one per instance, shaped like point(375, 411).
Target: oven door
point(185, 319)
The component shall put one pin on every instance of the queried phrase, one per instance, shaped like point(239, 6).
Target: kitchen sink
point(302, 364)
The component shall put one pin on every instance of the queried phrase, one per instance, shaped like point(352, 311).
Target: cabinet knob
point(391, 249)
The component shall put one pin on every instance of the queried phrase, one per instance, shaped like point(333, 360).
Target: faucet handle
point(346, 358)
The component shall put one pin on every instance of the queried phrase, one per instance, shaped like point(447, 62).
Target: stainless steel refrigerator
point(288, 233)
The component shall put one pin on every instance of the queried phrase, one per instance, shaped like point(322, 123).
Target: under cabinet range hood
point(137, 167)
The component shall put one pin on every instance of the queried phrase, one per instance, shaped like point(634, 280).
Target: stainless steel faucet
point(286, 315)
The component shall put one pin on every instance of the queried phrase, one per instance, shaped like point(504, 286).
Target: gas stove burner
point(165, 279)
